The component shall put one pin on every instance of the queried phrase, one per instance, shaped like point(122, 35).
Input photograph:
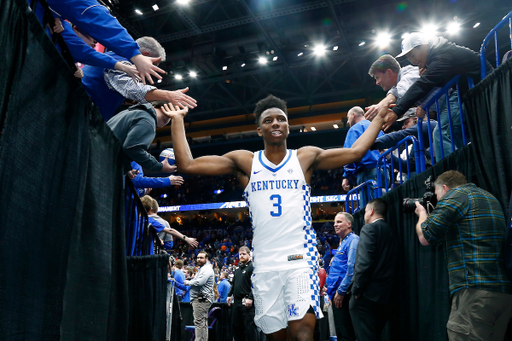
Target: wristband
point(184, 237)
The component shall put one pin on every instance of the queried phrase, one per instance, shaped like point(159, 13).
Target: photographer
point(471, 223)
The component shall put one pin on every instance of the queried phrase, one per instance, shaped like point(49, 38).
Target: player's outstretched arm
point(339, 157)
point(205, 165)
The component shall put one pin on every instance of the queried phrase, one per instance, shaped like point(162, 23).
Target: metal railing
point(140, 235)
point(383, 163)
point(359, 196)
point(494, 34)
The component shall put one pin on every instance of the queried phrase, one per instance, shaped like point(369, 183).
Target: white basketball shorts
point(283, 296)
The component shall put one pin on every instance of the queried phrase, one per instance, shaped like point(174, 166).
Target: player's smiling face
point(273, 125)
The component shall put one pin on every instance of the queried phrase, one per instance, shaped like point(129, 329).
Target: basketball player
point(276, 182)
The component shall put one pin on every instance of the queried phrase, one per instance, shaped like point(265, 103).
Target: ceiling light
point(183, 2)
point(476, 25)
point(453, 27)
point(319, 50)
point(383, 39)
point(138, 12)
point(313, 128)
point(224, 68)
point(335, 48)
point(300, 54)
point(243, 64)
point(159, 81)
point(275, 58)
point(362, 43)
point(262, 60)
point(335, 126)
point(178, 77)
point(429, 30)
point(155, 7)
point(193, 74)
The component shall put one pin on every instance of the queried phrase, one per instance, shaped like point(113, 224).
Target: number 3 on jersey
point(277, 205)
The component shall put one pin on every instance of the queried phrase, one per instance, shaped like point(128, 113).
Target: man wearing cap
point(442, 60)
point(391, 78)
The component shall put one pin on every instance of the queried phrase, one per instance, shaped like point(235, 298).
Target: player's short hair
point(179, 263)
point(451, 179)
point(348, 217)
point(152, 47)
point(268, 102)
point(380, 206)
point(383, 63)
point(244, 248)
point(147, 202)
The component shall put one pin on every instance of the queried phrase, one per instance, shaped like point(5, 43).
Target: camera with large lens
point(428, 200)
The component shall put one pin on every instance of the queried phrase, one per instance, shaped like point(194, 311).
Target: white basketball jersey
point(278, 198)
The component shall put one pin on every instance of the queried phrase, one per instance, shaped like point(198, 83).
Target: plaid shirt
point(471, 223)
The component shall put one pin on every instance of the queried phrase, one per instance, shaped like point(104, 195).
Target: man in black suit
point(374, 273)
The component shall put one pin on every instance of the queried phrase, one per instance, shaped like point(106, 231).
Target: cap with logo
point(411, 41)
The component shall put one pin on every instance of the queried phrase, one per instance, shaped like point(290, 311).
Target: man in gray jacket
point(201, 295)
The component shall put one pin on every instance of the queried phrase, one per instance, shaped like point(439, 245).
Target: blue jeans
point(445, 128)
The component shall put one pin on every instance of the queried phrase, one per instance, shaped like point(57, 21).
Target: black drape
point(489, 107)
point(62, 253)
point(421, 296)
point(147, 283)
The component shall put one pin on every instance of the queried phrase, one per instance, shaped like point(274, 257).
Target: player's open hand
point(173, 111)
point(192, 242)
point(371, 112)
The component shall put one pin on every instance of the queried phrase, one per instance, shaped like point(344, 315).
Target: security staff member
point(243, 308)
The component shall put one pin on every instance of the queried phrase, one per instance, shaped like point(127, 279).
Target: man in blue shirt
point(141, 182)
point(179, 278)
point(366, 168)
point(340, 275)
point(224, 287)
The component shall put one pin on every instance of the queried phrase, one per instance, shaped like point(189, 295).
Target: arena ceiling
point(222, 41)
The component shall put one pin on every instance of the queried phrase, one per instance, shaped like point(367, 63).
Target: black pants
point(243, 322)
point(368, 318)
point(344, 328)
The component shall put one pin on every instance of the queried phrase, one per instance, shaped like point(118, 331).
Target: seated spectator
point(135, 128)
point(224, 287)
point(108, 88)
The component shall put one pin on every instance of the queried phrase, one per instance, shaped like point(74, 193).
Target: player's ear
point(259, 131)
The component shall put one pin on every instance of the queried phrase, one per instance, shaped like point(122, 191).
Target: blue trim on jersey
point(278, 168)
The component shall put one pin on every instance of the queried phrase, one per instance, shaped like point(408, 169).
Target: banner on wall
point(241, 204)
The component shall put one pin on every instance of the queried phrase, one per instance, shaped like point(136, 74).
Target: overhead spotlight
point(224, 68)
point(405, 35)
point(138, 12)
point(159, 81)
point(383, 39)
point(155, 7)
point(262, 60)
point(335, 126)
point(453, 28)
point(193, 74)
point(275, 58)
point(300, 54)
point(182, 2)
point(335, 48)
point(178, 77)
point(313, 129)
point(429, 30)
point(362, 43)
point(319, 50)
point(476, 25)
point(243, 64)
